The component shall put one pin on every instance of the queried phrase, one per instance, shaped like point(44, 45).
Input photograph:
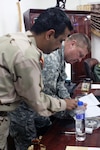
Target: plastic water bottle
point(80, 122)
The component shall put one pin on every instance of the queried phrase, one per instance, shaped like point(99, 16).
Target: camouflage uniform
point(5, 122)
point(96, 72)
point(20, 75)
point(25, 121)
point(54, 77)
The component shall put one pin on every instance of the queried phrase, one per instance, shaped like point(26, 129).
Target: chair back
point(89, 64)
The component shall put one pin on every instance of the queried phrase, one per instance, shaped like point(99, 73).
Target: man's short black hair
point(52, 18)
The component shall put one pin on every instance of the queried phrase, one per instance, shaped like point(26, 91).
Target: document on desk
point(92, 109)
point(81, 148)
point(95, 86)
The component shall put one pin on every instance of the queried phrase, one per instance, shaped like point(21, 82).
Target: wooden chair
point(89, 64)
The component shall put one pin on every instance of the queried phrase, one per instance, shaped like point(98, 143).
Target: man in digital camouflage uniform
point(21, 61)
point(24, 121)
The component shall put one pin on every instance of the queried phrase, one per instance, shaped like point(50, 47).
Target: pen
point(68, 132)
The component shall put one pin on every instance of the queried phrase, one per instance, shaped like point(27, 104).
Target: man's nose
point(80, 59)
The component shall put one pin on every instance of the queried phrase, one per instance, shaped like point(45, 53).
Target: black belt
point(3, 113)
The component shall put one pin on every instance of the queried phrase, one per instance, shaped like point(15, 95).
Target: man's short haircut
point(52, 18)
point(82, 40)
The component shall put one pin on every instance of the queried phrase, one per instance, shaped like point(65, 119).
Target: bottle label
point(80, 116)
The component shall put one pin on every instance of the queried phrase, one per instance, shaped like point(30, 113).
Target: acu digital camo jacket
point(54, 74)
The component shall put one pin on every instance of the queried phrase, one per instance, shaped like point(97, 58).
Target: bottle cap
point(80, 103)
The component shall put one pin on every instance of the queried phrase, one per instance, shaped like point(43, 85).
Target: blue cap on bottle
point(80, 103)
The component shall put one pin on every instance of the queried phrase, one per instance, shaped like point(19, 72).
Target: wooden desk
point(54, 140)
point(77, 90)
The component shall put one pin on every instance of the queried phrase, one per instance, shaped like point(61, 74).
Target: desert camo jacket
point(20, 74)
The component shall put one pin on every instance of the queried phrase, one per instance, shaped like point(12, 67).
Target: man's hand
point(71, 104)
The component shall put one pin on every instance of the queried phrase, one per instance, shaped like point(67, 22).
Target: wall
point(95, 44)
point(9, 20)
point(8, 23)
point(95, 40)
point(8, 8)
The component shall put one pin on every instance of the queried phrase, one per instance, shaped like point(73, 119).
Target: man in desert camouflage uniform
point(25, 123)
point(21, 61)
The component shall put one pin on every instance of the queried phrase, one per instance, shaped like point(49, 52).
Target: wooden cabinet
point(81, 23)
point(30, 16)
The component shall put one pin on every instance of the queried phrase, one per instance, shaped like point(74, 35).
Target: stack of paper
point(81, 148)
point(92, 109)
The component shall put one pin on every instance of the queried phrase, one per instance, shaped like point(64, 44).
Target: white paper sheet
point(93, 148)
point(90, 100)
point(92, 109)
point(95, 86)
point(81, 148)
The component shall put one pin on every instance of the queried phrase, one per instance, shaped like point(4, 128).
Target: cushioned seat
point(89, 64)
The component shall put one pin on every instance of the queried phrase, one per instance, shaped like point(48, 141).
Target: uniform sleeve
point(61, 89)
point(29, 85)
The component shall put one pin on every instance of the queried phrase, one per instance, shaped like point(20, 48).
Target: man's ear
point(73, 42)
point(50, 33)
